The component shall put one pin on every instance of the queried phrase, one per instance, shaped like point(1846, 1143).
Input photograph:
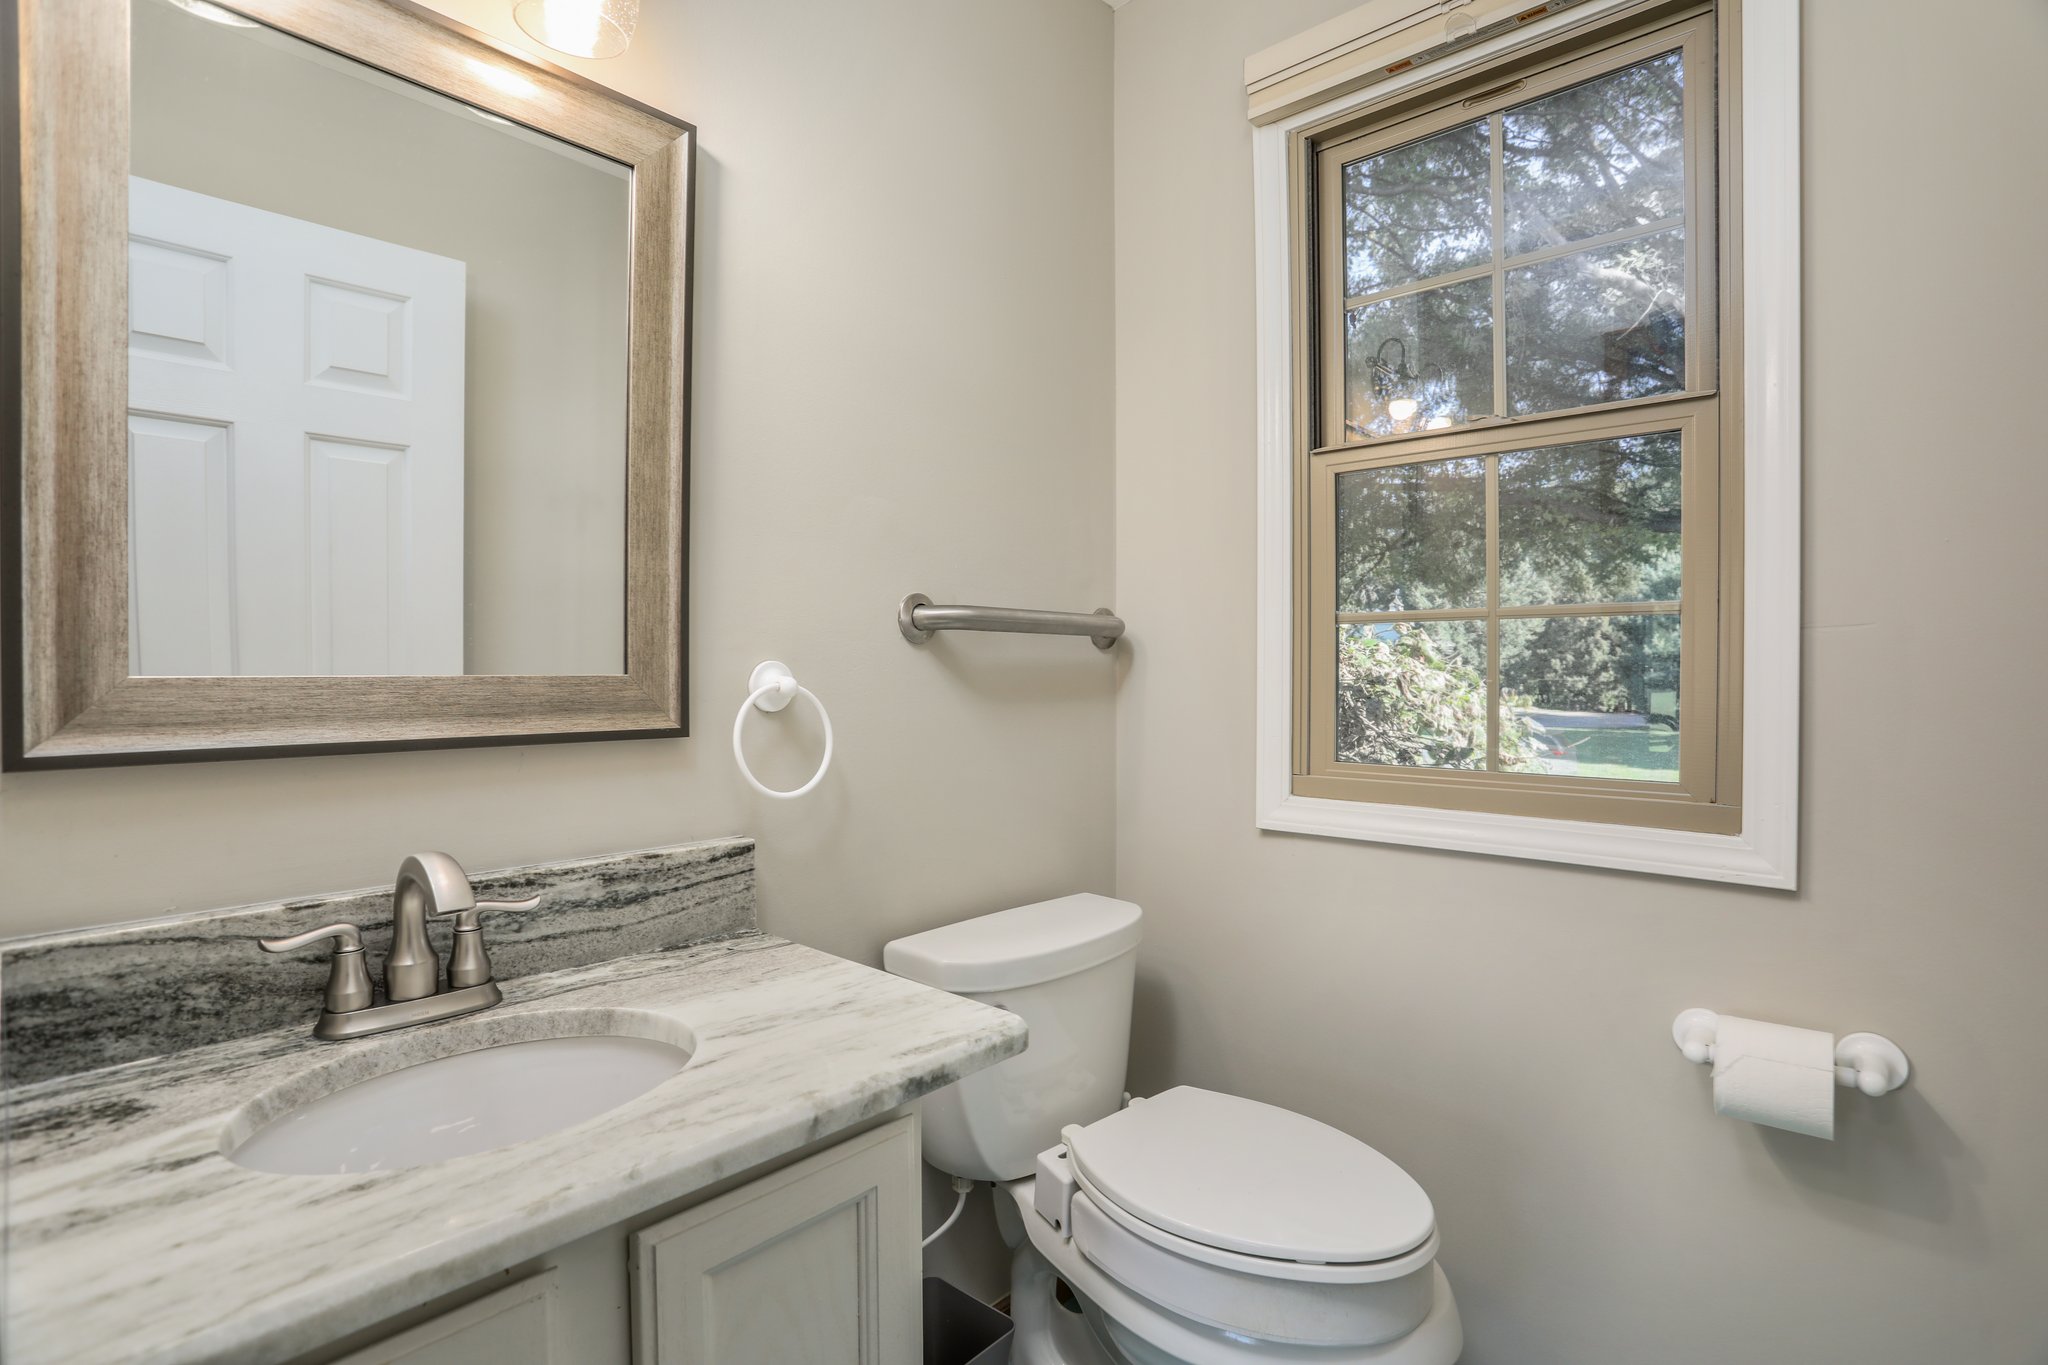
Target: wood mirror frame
point(69, 699)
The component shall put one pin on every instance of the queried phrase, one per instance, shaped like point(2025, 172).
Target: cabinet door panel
point(813, 1265)
point(512, 1326)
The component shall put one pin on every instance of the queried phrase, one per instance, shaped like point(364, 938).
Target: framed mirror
point(352, 385)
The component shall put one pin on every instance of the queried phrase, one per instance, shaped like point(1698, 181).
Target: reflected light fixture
point(1395, 385)
point(502, 79)
point(205, 10)
point(581, 28)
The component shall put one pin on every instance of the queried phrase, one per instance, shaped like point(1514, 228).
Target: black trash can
point(960, 1329)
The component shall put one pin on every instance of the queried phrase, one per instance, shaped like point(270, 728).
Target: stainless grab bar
point(919, 619)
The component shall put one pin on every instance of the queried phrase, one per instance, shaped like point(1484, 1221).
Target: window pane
point(1412, 694)
point(1419, 362)
point(1412, 537)
point(1598, 326)
point(1596, 158)
point(1595, 521)
point(1418, 211)
point(1590, 696)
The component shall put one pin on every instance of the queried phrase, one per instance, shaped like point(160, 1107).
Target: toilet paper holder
point(1863, 1061)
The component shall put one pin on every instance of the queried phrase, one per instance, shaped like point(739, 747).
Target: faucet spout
point(428, 884)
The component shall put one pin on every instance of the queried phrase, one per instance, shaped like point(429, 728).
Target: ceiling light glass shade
point(581, 28)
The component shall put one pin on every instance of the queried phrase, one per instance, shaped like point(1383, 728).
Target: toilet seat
point(1149, 1322)
point(1243, 1219)
point(1267, 1267)
point(1381, 1305)
point(1238, 1183)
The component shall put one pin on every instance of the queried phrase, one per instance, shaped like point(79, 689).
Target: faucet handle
point(347, 935)
point(348, 979)
point(467, 916)
point(468, 963)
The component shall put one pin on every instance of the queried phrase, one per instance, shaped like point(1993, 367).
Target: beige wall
point(285, 127)
point(903, 366)
point(902, 383)
point(1501, 1028)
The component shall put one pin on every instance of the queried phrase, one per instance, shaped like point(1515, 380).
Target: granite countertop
point(130, 1237)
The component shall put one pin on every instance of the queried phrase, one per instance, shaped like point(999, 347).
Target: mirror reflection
point(377, 371)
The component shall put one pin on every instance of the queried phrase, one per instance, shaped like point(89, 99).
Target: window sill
point(1663, 852)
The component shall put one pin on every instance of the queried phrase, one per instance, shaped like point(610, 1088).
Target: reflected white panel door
point(295, 437)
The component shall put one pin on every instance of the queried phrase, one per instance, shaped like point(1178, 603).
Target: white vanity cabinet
point(815, 1262)
point(510, 1326)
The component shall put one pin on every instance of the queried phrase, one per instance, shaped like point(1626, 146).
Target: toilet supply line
point(963, 1187)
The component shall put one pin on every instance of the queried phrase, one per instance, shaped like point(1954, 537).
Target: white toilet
point(1192, 1228)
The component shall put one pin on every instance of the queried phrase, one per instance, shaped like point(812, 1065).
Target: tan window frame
point(1705, 413)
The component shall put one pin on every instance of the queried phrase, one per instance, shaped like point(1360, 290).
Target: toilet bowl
point(1190, 1228)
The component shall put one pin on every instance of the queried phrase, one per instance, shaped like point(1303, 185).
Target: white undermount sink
point(452, 1106)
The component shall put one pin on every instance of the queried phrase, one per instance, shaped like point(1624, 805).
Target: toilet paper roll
point(1775, 1075)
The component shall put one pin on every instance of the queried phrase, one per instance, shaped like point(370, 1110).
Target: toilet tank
point(1066, 966)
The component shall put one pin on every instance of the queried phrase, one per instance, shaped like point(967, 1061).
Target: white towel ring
point(773, 687)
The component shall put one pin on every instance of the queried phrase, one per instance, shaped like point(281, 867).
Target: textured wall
point(1500, 1028)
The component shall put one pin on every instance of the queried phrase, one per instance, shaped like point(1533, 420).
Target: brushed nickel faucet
point(430, 885)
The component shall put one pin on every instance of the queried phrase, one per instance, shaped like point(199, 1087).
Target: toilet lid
point(1248, 1177)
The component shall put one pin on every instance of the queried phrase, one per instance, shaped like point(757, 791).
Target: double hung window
point(1518, 484)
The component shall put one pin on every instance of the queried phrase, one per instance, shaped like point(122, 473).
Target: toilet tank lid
point(1018, 947)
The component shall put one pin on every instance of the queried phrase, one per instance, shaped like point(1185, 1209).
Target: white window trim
point(1766, 852)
